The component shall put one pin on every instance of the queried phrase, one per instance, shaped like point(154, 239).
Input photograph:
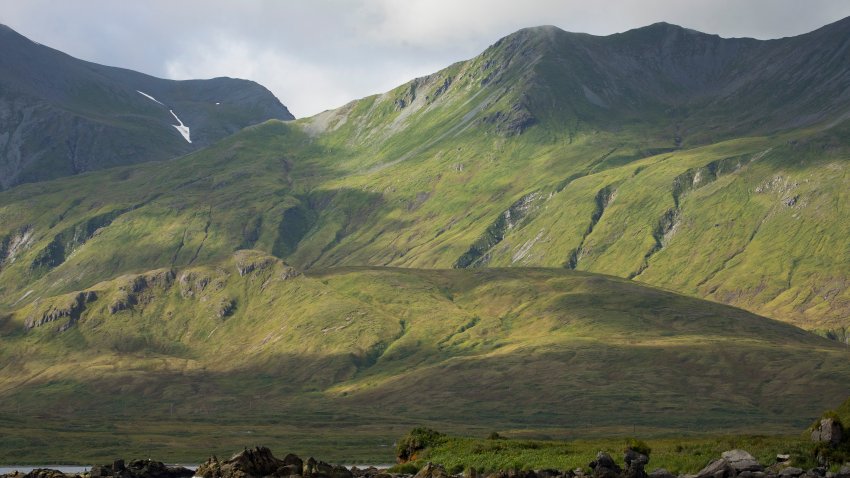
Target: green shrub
point(638, 446)
point(417, 440)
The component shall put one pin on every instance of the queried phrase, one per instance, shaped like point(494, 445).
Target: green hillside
point(203, 355)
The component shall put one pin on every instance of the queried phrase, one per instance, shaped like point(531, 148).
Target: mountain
point(61, 116)
point(597, 189)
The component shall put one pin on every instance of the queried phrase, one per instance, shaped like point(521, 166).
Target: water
point(67, 469)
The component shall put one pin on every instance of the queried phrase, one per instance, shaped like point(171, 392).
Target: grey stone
point(828, 431)
point(661, 473)
point(740, 460)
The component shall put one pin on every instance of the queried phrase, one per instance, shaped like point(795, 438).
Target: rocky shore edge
point(260, 462)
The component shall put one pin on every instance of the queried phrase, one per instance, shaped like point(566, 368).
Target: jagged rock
point(740, 460)
point(844, 472)
point(69, 305)
point(635, 463)
point(828, 431)
point(604, 466)
point(791, 472)
point(431, 470)
point(250, 463)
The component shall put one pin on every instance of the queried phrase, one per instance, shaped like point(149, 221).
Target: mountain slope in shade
point(61, 116)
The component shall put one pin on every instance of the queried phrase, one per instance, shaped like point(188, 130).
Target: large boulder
point(604, 467)
point(828, 431)
point(719, 468)
point(635, 463)
point(740, 460)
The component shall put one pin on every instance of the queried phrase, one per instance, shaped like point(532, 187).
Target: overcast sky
point(320, 54)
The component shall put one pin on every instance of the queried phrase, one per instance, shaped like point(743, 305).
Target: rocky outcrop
point(14, 243)
point(635, 462)
point(605, 467)
point(69, 306)
point(250, 463)
point(140, 289)
point(828, 431)
point(260, 462)
point(478, 253)
point(139, 469)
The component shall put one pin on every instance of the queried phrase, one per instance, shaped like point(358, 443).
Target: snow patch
point(217, 103)
point(183, 129)
point(148, 96)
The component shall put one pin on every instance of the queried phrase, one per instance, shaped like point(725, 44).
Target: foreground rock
point(139, 469)
point(828, 431)
point(259, 462)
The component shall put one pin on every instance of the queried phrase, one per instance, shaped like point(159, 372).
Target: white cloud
point(305, 87)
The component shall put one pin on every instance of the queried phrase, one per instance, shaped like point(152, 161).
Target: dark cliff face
point(61, 116)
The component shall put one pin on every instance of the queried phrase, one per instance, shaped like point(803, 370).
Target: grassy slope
point(678, 455)
point(366, 352)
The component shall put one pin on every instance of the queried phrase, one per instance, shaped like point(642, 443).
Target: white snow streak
point(148, 96)
point(184, 130)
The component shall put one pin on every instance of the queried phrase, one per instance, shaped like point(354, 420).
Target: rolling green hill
point(296, 276)
point(182, 362)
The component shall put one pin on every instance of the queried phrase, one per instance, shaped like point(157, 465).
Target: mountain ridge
point(96, 116)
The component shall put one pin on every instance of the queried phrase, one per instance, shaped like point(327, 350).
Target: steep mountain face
point(716, 168)
point(61, 116)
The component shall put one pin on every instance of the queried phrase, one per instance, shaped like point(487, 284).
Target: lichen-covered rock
point(828, 431)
